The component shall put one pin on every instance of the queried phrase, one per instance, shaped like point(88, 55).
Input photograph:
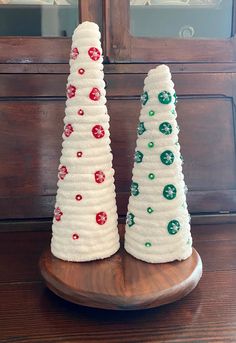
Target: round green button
point(164, 97)
point(165, 128)
point(148, 244)
point(169, 192)
point(167, 157)
point(151, 113)
point(149, 210)
point(173, 227)
point(150, 144)
point(151, 176)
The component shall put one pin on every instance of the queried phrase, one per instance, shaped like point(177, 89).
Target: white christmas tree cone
point(158, 222)
point(85, 216)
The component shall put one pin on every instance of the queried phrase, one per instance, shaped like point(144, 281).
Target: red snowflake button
point(75, 236)
point(99, 176)
point(81, 71)
point(62, 172)
point(71, 91)
point(94, 53)
point(68, 130)
point(80, 112)
point(101, 218)
point(98, 131)
point(74, 53)
point(57, 214)
point(78, 197)
point(95, 94)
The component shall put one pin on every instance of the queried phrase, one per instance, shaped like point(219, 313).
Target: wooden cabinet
point(123, 46)
point(33, 73)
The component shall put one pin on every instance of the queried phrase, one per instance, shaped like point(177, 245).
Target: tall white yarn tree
point(85, 216)
point(158, 222)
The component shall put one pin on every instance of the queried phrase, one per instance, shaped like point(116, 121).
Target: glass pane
point(48, 18)
point(181, 18)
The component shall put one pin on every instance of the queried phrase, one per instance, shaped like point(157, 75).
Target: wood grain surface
point(30, 313)
point(31, 135)
point(121, 282)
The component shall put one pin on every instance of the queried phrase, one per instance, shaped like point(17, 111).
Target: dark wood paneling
point(123, 47)
point(31, 135)
point(114, 68)
point(34, 50)
point(118, 85)
point(30, 146)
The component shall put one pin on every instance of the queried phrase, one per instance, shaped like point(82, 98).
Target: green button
point(144, 98)
point(141, 128)
point(138, 156)
point(167, 157)
point(148, 244)
point(173, 227)
point(151, 176)
point(134, 188)
point(130, 219)
point(149, 210)
point(169, 192)
point(165, 128)
point(165, 97)
point(150, 144)
point(151, 113)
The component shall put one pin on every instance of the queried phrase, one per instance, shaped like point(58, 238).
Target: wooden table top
point(30, 313)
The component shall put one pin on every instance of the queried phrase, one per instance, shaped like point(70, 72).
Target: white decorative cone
point(158, 228)
point(85, 216)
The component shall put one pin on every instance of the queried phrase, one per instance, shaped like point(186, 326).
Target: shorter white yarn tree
point(85, 217)
point(158, 222)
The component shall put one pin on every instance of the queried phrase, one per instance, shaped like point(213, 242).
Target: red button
point(75, 236)
point(80, 112)
point(78, 197)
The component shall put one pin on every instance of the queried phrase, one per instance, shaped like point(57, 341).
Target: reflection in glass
point(48, 18)
point(181, 18)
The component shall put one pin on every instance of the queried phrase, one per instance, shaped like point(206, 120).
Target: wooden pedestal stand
point(121, 282)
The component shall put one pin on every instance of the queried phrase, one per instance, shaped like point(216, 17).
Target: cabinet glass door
point(47, 18)
point(181, 18)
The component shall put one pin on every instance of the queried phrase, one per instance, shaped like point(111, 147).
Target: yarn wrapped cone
point(158, 222)
point(85, 217)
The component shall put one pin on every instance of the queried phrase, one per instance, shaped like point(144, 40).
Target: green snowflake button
point(164, 97)
point(167, 157)
point(141, 128)
point(176, 98)
point(138, 156)
point(173, 227)
point(169, 192)
point(134, 189)
point(144, 98)
point(165, 128)
point(130, 219)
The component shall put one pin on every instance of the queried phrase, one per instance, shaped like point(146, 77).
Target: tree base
point(121, 282)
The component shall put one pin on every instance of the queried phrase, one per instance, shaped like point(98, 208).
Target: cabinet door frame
point(121, 46)
point(25, 49)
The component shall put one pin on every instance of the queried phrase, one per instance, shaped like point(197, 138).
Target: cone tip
point(86, 25)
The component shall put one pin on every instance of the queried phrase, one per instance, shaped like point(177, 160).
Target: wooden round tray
point(121, 282)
